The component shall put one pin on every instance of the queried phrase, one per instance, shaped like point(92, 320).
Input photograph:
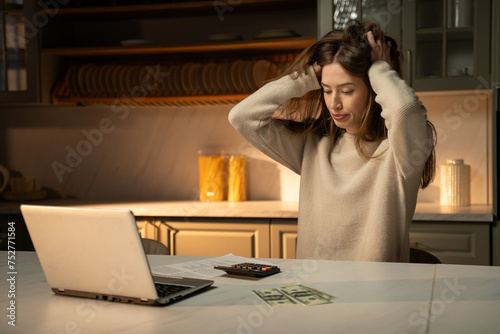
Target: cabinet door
point(212, 237)
point(446, 44)
point(19, 28)
point(454, 243)
point(148, 228)
point(386, 12)
point(495, 40)
point(283, 238)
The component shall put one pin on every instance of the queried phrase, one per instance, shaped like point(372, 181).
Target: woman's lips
point(339, 117)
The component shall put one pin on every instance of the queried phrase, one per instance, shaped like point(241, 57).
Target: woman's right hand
point(380, 50)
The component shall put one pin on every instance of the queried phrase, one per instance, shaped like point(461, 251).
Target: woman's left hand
point(380, 50)
point(317, 70)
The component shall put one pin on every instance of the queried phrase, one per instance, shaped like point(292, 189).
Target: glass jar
point(211, 176)
point(236, 179)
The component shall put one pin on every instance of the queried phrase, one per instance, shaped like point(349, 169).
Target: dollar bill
point(294, 294)
point(306, 295)
point(274, 297)
point(323, 294)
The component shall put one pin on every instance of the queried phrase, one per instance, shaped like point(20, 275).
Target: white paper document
point(202, 268)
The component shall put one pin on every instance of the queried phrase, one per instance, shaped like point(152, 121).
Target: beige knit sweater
point(350, 207)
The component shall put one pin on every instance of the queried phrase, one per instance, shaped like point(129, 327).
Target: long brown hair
point(350, 48)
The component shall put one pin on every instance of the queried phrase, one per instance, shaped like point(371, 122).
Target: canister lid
point(455, 161)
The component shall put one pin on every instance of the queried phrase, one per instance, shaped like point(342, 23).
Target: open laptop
point(98, 254)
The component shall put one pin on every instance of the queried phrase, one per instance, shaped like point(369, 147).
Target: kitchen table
point(371, 298)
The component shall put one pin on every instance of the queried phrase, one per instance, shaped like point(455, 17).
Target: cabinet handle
point(409, 63)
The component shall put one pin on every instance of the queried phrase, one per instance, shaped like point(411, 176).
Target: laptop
point(96, 253)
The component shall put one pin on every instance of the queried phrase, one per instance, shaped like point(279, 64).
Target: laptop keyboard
point(164, 290)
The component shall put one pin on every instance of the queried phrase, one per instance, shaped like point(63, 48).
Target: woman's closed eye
point(347, 92)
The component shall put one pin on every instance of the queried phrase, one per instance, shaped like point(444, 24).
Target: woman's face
point(346, 97)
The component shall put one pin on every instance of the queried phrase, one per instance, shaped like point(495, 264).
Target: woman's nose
point(335, 103)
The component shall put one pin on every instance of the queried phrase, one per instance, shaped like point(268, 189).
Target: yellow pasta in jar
point(211, 177)
point(236, 180)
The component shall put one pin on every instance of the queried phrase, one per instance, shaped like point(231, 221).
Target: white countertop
point(252, 209)
point(371, 298)
point(437, 212)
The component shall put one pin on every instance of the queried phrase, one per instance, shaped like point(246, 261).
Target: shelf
point(173, 9)
point(153, 101)
point(221, 80)
point(446, 30)
point(253, 45)
point(169, 53)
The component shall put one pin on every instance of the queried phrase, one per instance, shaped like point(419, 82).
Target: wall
point(121, 153)
point(463, 121)
point(151, 153)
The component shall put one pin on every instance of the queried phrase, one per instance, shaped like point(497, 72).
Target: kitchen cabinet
point(386, 12)
point(18, 52)
point(209, 236)
point(454, 243)
point(451, 242)
point(495, 40)
point(446, 44)
point(283, 238)
point(101, 55)
point(495, 69)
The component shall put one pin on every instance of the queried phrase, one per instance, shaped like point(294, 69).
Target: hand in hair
point(380, 50)
point(317, 70)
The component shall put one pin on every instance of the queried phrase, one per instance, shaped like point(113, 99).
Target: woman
point(357, 135)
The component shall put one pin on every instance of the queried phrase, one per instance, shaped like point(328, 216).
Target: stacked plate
point(111, 80)
point(182, 79)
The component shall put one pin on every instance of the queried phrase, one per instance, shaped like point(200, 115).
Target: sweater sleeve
point(252, 117)
point(405, 117)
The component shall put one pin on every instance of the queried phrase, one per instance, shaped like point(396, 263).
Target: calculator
point(250, 269)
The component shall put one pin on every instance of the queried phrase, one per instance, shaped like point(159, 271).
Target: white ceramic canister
point(455, 183)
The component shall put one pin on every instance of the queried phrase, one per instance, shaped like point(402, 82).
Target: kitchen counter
point(250, 209)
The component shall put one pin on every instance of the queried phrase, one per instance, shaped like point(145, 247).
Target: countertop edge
point(272, 209)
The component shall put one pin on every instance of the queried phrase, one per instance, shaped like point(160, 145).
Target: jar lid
point(455, 161)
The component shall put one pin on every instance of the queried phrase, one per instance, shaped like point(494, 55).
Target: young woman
point(343, 118)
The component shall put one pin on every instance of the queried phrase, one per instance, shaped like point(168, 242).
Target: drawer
point(209, 236)
point(454, 243)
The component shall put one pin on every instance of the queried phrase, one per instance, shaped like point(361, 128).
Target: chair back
point(154, 247)
point(421, 256)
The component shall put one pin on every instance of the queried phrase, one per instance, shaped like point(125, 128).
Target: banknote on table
point(274, 297)
point(323, 294)
point(306, 295)
point(294, 294)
